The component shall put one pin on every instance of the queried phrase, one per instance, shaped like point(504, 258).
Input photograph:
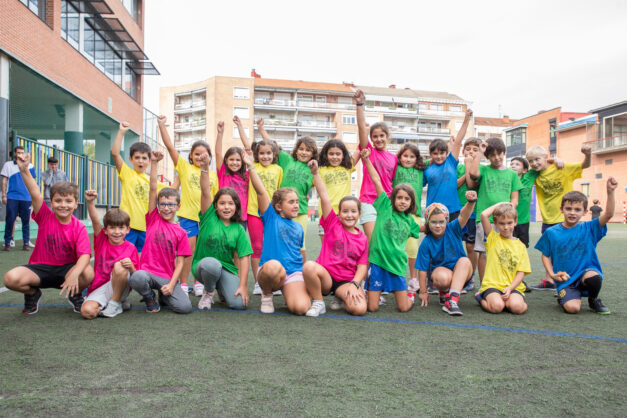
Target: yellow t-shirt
point(337, 180)
point(135, 190)
point(505, 257)
point(271, 177)
point(190, 188)
point(551, 185)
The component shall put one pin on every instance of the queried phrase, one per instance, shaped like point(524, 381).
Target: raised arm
point(117, 145)
point(262, 130)
point(205, 183)
point(242, 133)
point(90, 201)
point(466, 212)
point(165, 137)
point(612, 184)
point(472, 167)
point(30, 183)
point(485, 219)
point(219, 137)
point(360, 102)
point(355, 158)
point(155, 157)
point(263, 199)
point(586, 150)
point(325, 202)
point(376, 180)
point(456, 142)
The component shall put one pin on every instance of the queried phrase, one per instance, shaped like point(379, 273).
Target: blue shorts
point(575, 290)
point(470, 230)
point(137, 238)
point(380, 279)
point(190, 227)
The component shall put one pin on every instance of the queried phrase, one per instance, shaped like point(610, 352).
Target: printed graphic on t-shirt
point(163, 243)
point(551, 187)
point(268, 179)
point(407, 176)
point(194, 181)
point(296, 177)
point(335, 177)
point(498, 185)
point(507, 261)
point(104, 263)
point(218, 246)
point(240, 187)
point(384, 169)
point(396, 231)
point(574, 249)
point(59, 247)
point(289, 235)
point(141, 192)
point(443, 177)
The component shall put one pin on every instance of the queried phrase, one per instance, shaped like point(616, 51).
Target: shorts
point(480, 238)
point(521, 231)
point(297, 276)
point(50, 275)
point(190, 227)
point(104, 294)
point(470, 231)
point(335, 284)
point(302, 220)
point(489, 290)
point(368, 213)
point(412, 243)
point(575, 290)
point(137, 238)
point(546, 226)
point(380, 279)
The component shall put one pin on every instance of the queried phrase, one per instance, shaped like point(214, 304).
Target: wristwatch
point(356, 284)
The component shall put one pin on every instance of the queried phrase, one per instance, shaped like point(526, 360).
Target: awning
point(94, 7)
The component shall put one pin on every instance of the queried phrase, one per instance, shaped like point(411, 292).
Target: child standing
point(527, 178)
point(388, 260)
point(189, 177)
point(343, 257)
point(166, 247)
point(507, 262)
point(569, 252)
point(221, 238)
point(115, 259)
point(61, 257)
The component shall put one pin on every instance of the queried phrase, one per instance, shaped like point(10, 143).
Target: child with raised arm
point(166, 247)
point(222, 256)
point(281, 264)
point(343, 261)
point(569, 252)
point(441, 253)
point(61, 257)
point(115, 259)
point(388, 260)
point(507, 262)
point(189, 176)
point(135, 185)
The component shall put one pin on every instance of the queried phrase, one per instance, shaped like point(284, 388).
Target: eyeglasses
point(167, 205)
point(437, 223)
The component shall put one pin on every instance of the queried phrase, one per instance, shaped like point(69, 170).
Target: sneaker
point(30, 244)
point(451, 308)
point(76, 302)
point(267, 306)
point(442, 298)
point(336, 304)
point(206, 300)
point(478, 297)
point(257, 289)
point(12, 243)
point(199, 289)
point(317, 308)
point(151, 303)
point(113, 309)
point(277, 292)
point(597, 306)
point(7, 248)
point(185, 288)
point(26, 248)
point(31, 302)
point(126, 305)
point(413, 285)
point(382, 300)
point(412, 296)
point(432, 290)
point(527, 287)
point(544, 285)
point(469, 287)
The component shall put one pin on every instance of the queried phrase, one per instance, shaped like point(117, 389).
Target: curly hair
point(242, 170)
point(196, 145)
point(237, 215)
point(420, 164)
point(310, 143)
point(412, 195)
point(323, 160)
point(272, 144)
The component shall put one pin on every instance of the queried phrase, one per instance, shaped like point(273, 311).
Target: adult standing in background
point(51, 176)
point(595, 210)
point(16, 199)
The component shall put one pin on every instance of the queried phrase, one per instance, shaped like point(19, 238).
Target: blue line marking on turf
point(396, 321)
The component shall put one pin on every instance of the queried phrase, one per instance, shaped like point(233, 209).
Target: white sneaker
point(30, 244)
point(185, 287)
point(317, 308)
point(277, 292)
point(113, 309)
point(267, 306)
point(381, 300)
point(257, 289)
point(413, 285)
point(206, 300)
point(12, 243)
point(336, 304)
point(126, 305)
point(198, 289)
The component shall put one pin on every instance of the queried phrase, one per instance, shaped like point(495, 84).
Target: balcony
point(316, 126)
point(609, 144)
point(189, 107)
point(392, 110)
point(439, 114)
point(437, 131)
point(325, 107)
point(262, 103)
point(195, 125)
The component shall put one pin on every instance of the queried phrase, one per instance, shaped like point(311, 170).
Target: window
point(455, 108)
point(585, 189)
point(69, 24)
point(130, 82)
point(241, 93)
point(598, 176)
point(371, 120)
point(349, 137)
point(242, 112)
point(306, 98)
point(434, 106)
point(552, 135)
point(349, 120)
point(36, 6)
point(423, 106)
point(516, 137)
point(236, 132)
point(321, 99)
point(609, 161)
point(345, 100)
point(132, 6)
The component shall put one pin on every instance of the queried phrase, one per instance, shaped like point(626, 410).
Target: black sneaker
point(442, 298)
point(76, 302)
point(31, 302)
point(596, 305)
point(527, 287)
point(451, 308)
point(544, 285)
point(151, 303)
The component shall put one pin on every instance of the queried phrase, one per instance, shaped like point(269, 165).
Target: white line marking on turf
point(3, 289)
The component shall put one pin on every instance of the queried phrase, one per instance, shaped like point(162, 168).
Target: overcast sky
point(513, 58)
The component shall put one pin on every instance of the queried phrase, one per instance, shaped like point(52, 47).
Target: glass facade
point(516, 137)
point(36, 6)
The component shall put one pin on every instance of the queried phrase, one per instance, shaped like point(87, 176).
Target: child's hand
point(90, 195)
point(471, 196)
point(424, 299)
point(359, 97)
point(586, 149)
point(365, 153)
point(482, 147)
point(559, 163)
point(70, 284)
point(313, 166)
point(468, 113)
point(23, 162)
point(612, 184)
point(204, 161)
point(260, 123)
point(506, 293)
point(243, 292)
point(161, 120)
point(247, 158)
point(167, 289)
point(220, 127)
point(236, 120)
point(127, 263)
point(156, 156)
point(124, 126)
point(353, 295)
point(560, 276)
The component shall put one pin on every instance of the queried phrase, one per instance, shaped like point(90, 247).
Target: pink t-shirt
point(385, 163)
point(58, 244)
point(164, 242)
point(106, 255)
point(341, 251)
point(239, 184)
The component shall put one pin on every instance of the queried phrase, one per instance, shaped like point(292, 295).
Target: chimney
point(506, 118)
point(254, 74)
point(348, 83)
point(392, 86)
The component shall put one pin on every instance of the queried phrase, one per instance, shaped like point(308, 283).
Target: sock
point(454, 295)
point(593, 286)
point(443, 294)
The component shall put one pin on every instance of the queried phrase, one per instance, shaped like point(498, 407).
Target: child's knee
point(518, 308)
point(495, 305)
point(572, 307)
point(309, 268)
point(272, 268)
point(182, 308)
point(299, 307)
point(357, 310)
point(11, 279)
point(119, 270)
point(90, 310)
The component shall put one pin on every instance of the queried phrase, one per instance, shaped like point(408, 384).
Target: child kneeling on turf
point(569, 252)
point(441, 253)
point(62, 252)
point(165, 249)
point(507, 262)
point(115, 259)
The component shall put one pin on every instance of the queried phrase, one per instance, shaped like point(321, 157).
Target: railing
point(432, 112)
point(279, 122)
point(275, 102)
point(389, 109)
point(608, 144)
point(324, 105)
point(426, 130)
point(405, 129)
point(316, 124)
point(190, 105)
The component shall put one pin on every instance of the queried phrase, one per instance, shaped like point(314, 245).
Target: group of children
point(253, 213)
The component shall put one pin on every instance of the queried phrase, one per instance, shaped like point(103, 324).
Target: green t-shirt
point(220, 241)
point(461, 190)
point(524, 196)
point(297, 175)
point(495, 186)
point(391, 230)
point(413, 177)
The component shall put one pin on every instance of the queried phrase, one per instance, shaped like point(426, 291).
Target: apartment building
point(488, 127)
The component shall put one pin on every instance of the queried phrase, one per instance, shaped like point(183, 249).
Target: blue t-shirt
point(573, 250)
point(442, 182)
point(441, 252)
point(16, 188)
point(282, 241)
